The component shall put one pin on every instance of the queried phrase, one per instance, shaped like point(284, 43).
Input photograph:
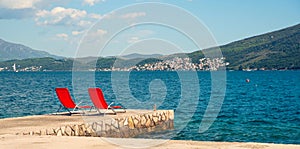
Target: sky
point(73, 28)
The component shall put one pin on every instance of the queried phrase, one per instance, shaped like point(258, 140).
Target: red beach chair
point(65, 98)
point(99, 102)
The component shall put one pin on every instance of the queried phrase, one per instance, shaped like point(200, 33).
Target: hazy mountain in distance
point(137, 55)
point(10, 51)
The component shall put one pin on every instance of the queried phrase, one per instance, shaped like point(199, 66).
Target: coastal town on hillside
point(180, 64)
point(174, 64)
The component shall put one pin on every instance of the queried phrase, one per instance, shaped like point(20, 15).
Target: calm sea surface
point(267, 109)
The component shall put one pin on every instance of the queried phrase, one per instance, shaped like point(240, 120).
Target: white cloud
point(18, 4)
point(133, 15)
point(92, 2)
point(101, 32)
point(20, 9)
point(83, 23)
point(95, 16)
point(59, 15)
point(62, 36)
point(133, 39)
point(65, 16)
point(95, 36)
point(75, 33)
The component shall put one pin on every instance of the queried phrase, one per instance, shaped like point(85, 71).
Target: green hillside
point(279, 50)
point(275, 50)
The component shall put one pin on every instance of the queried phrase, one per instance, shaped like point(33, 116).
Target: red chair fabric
point(97, 98)
point(66, 100)
point(99, 101)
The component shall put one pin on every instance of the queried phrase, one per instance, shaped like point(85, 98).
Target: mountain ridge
point(10, 51)
point(138, 55)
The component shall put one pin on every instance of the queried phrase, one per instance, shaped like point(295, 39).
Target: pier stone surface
point(121, 125)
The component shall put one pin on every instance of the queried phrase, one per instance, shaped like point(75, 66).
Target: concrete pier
point(122, 125)
point(43, 131)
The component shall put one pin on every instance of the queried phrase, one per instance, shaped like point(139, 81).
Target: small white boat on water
point(15, 68)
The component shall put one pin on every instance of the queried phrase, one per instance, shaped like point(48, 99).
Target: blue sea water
point(267, 109)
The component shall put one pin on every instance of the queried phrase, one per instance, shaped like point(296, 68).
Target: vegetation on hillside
point(274, 50)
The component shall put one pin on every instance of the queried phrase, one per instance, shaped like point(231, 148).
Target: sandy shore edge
point(9, 127)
